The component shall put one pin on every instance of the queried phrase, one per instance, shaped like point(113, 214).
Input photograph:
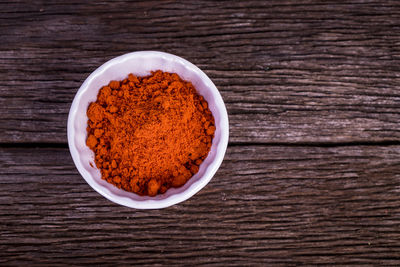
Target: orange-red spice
point(149, 133)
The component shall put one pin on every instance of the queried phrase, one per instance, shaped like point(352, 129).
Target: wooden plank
point(277, 205)
point(304, 72)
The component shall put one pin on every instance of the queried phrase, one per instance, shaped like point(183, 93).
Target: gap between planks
point(305, 144)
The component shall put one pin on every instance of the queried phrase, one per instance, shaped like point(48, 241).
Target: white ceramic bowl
point(141, 63)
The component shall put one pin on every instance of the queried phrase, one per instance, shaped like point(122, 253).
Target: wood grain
point(289, 72)
point(307, 85)
point(275, 205)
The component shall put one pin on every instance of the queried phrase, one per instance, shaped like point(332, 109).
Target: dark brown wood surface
point(312, 171)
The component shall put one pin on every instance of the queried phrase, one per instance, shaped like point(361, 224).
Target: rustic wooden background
point(312, 171)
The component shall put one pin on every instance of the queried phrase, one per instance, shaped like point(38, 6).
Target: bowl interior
point(142, 63)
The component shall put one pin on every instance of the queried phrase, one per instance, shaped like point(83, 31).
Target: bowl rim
point(175, 198)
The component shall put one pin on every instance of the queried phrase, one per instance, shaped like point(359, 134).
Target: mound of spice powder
point(149, 133)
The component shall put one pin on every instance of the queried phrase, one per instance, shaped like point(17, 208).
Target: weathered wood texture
point(267, 204)
point(313, 79)
point(289, 71)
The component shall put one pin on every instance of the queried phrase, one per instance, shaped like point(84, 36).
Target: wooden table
point(312, 171)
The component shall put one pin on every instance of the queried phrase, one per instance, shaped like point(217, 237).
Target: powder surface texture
point(149, 133)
